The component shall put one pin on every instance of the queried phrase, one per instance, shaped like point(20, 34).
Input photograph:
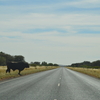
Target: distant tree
point(33, 65)
point(96, 64)
point(56, 65)
point(2, 61)
point(44, 63)
point(37, 63)
point(85, 64)
point(75, 64)
point(8, 58)
point(19, 58)
point(50, 64)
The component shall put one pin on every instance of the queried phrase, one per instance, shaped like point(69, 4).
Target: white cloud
point(84, 3)
point(53, 45)
point(55, 37)
point(63, 50)
point(39, 20)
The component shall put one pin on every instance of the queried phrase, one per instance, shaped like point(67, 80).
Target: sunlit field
point(12, 74)
point(88, 71)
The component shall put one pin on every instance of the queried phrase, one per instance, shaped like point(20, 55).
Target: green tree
point(56, 65)
point(50, 64)
point(8, 58)
point(2, 61)
point(33, 65)
point(19, 58)
point(44, 63)
point(37, 63)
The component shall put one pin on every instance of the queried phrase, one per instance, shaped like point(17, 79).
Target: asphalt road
point(56, 84)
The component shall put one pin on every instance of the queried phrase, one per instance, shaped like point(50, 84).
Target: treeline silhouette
point(4, 58)
point(35, 64)
point(87, 64)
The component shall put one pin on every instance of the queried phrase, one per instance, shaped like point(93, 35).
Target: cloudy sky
point(57, 31)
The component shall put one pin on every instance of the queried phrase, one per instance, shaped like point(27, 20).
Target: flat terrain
point(56, 84)
point(88, 71)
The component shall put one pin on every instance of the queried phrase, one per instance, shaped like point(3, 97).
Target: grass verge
point(88, 71)
point(26, 71)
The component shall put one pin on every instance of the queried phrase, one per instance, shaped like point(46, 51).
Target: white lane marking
point(60, 78)
point(55, 99)
point(58, 84)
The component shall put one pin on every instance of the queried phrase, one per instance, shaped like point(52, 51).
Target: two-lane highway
point(56, 84)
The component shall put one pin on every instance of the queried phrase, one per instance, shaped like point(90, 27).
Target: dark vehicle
point(16, 66)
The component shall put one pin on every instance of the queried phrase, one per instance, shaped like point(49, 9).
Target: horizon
point(62, 32)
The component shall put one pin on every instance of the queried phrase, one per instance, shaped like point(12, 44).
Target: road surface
point(56, 84)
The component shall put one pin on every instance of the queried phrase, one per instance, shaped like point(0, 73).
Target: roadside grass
point(88, 71)
point(26, 71)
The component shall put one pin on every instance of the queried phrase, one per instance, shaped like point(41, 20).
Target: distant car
point(16, 66)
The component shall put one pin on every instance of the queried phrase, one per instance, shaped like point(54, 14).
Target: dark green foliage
point(96, 63)
point(33, 64)
point(2, 61)
point(56, 65)
point(19, 58)
point(87, 64)
point(44, 63)
point(4, 58)
point(50, 64)
point(37, 63)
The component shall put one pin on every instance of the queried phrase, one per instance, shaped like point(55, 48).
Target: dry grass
point(88, 71)
point(4, 75)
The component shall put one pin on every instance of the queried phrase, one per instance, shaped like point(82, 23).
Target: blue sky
point(58, 31)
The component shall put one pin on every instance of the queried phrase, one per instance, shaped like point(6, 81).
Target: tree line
point(4, 58)
point(87, 64)
point(34, 64)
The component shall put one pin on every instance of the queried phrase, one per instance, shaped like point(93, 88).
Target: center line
point(58, 84)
